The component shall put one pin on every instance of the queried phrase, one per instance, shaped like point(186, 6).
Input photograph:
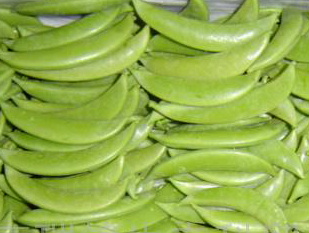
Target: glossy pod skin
point(268, 96)
point(200, 34)
point(189, 187)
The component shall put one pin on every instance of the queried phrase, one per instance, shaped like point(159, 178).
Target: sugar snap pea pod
point(64, 201)
point(136, 220)
point(103, 81)
point(231, 63)
point(6, 223)
point(300, 189)
point(191, 187)
point(61, 130)
point(131, 103)
point(7, 31)
point(291, 140)
point(286, 112)
point(142, 108)
point(196, 9)
point(17, 207)
point(297, 53)
point(268, 96)
point(124, 206)
point(55, 93)
point(14, 19)
point(5, 187)
point(221, 138)
point(289, 31)
point(112, 63)
point(188, 227)
point(5, 82)
point(68, 163)
point(248, 11)
point(27, 30)
point(241, 199)
point(211, 160)
point(301, 86)
point(181, 212)
point(232, 221)
point(206, 36)
point(303, 124)
point(13, 90)
point(298, 211)
point(74, 53)
point(196, 92)
point(63, 8)
point(31, 142)
point(301, 105)
point(168, 193)
point(82, 28)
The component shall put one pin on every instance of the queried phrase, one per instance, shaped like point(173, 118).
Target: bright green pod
point(291, 140)
point(18, 208)
point(301, 86)
point(297, 53)
point(196, 9)
point(300, 189)
point(301, 226)
point(12, 18)
point(166, 226)
point(298, 211)
point(301, 105)
point(7, 32)
point(286, 112)
point(189, 187)
point(248, 11)
point(6, 223)
point(5, 187)
point(188, 227)
point(168, 193)
point(27, 30)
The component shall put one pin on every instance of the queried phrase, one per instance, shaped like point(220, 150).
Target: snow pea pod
point(166, 226)
point(5, 187)
point(27, 30)
point(297, 211)
point(78, 229)
point(286, 112)
point(211, 160)
point(301, 105)
point(14, 19)
point(200, 34)
point(221, 138)
point(301, 86)
point(195, 92)
point(226, 64)
point(17, 207)
point(6, 223)
point(45, 217)
point(68, 163)
point(268, 96)
point(241, 199)
point(248, 11)
point(6, 81)
point(300, 189)
point(7, 31)
point(196, 9)
point(110, 64)
point(297, 53)
point(79, 29)
point(188, 227)
point(60, 200)
point(168, 193)
point(189, 187)
point(291, 140)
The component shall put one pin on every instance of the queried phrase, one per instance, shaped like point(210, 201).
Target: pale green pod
point(18, 208)
point(196, 9)
point(14, 19)
point(6, 223)
point(297, 53)
point(168, 193)
point(286, 112)
point(27, 30)
point(248, 11)
point(301, 226)
point(298, 211)
point(131, 103)
point(301, 85)
point(166, 226)
point(300, 189)
point(291, 140)
point(301, 105)
point(191, 187)
point(188, 227)
point(6, 188)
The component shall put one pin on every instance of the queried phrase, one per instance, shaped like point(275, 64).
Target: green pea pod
point(221, 138)
point(166, 226)
point(75, 53)
point(301, 105)
point(301, 226)
point(6, 74)
point(139, 219)
point(298, 211)
point(27, 30)
point(122, 207)
point(78, 229)
point(290, 29)
point(303, 66)
point(291, 140)
point(191, 187)
point(30, 142)
point(301, 86)
point(55, 93)
point(241, 199)
point(211, 160)
point(232, 178)
point(188, 227)
point(12, 18)
point(302, 126)
point(59, 7)
point(200, 34)
point(286, 112)
point(248, 11)
point(297, 53)
point(1, 203)
point(232, 62)
point(196, 9)
point(7, 31)
point(62, 130)
point(231, 220)
point(181, 212)
point(6, 223)
point(5, 187)
point(68, 163)
point(195, 92)
point(131, 103)
point(79, 29)
point(168, 193)
point(300, 189)
point(268, 96)
point(17, 207)
point(109, 64)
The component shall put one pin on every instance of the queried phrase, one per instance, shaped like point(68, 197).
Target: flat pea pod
point(82, 28)
point(5, 82)
point(27, 30)
point(17, 207)
point(68, 163)
point(7, 31)
point(139, 219)
point(268, 96)
point(168, 193)
point(221, 138)
point(59, 7)
point(30, 142)
point(14, 19)
point(206, 36)
point(297, 53)
point(300, 189)
point(301, 105)
point(191, 186)
point(248, 11)
point(195, 92)
point(286, 112)
point(181, 212)
point(301, 86)
point(291, 140)
point(5, 187)
point(6, 223)
point(241, 199)
point(107, 65)
point(232, 221)
point(211, 160)
point(298, 211)
point(196, 9)
point(166, 226)
point(79, 229)
point(62, 130)
point(290, 29)
point(188, 227)
point(45, 217)
point(75, 53)
point(60, 200)
point(232, 178)
point(1, 202)
point(231, 63)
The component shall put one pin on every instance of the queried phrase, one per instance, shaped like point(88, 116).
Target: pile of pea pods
point(134, 118)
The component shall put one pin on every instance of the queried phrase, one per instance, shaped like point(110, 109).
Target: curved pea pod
point(168, 193)
point(78, 229)
point(18, 208)
point(241, 199)
point(6, 223)
point(196, 9)
point(268, 97)
point(5, 82)
point(211, 160)
point(188, 227)
point(231, 63)
point(248, 11)
point(189, 187)
point(199, 34)
point(298, 211)
point(297, 53)
point(166, 226)
point(133, 221)
point(290, 30)
point(286, 112)
point(68, 163)
point(291, 140)
point(301, 85)
point(56, 93)
point(195, 92)
point(7, 32)
point(62, 130)
point(109, 64)
point(124, 206)
point(232, 221)
point(63, 201)
point(27, 30)
point(80, 29)
point(301, 105)
point(221, 138)
point(300, 189)
point(232, 178)
point(181, 212)
point(75, 53)
point(6, 188)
